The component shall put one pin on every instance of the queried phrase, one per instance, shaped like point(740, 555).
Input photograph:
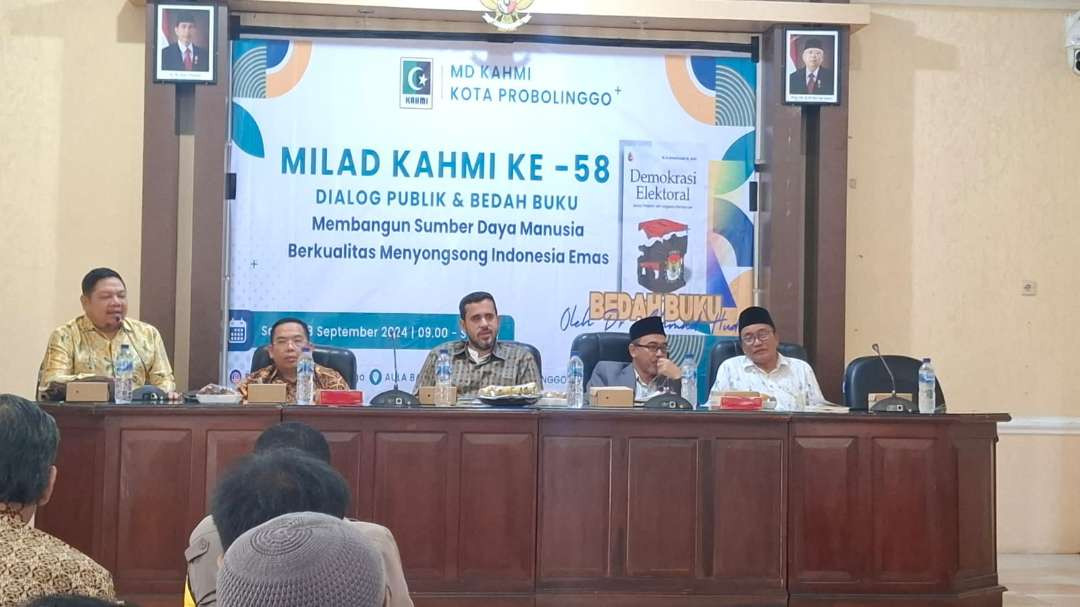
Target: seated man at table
point(288, 337)
point(32, 562)
point(650, 372)
point(480, 359)
point(763, 369)
point(86, 347)
point(205, 546)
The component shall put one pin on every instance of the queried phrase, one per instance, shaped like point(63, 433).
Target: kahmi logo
point(416, 83)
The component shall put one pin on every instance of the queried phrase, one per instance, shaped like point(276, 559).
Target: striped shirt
point(508, 365)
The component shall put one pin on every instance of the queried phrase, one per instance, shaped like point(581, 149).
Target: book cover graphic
point(663, 217)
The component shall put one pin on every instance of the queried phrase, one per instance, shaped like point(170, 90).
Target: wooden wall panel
point(411, 474)
point(976, 555)
point(498, 507)
point(907, 522)
point(223, 447)
point(662, 507)
point(575, 515)
point(76, 497)
point(826, 509)
point(749, 513)
point(154, 477)
point(346, 455)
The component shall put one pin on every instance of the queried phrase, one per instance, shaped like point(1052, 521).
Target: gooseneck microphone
point(395, 397)
point(892, 404)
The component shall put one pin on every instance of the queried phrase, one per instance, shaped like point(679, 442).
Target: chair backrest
point(595, 347)
point(341, 360)
point(532, 350)
point(866, 375)
point(730, 347)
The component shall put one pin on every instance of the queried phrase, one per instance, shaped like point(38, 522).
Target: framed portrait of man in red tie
point(810, 74)
point(186, 43)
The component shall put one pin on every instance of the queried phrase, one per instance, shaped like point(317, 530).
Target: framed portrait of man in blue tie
point(186, 43)
point(810, 74)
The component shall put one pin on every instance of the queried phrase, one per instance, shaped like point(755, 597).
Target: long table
point(576, 507)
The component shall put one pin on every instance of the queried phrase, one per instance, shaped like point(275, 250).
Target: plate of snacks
point(213, 394)
point(509, 396)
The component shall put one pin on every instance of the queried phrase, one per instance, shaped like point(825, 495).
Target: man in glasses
point(763, 369)
point(650, 371)
point(288, 337)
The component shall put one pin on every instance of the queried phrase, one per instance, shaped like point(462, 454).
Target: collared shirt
point(34, 563)
point(644, 391)
point(204, 548)
point(792, 383)
point(325, 379)
point(77, 350)
point(508, 365)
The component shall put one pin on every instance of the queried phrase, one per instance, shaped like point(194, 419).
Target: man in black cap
point(813, 78)
point(650, 371)
point(763, 369)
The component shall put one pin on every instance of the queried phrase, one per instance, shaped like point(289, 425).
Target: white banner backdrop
point(584, 187)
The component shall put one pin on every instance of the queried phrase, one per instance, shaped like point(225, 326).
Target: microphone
point(395, 397)
point(892, 404)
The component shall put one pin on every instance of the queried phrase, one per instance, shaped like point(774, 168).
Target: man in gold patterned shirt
point(87, 346)
point(32, 562)
point(288, 337)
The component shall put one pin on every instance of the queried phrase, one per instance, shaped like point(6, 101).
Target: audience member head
point(302, 559)
point(28, 441)
point(758, 335)
point(71, 600)
point(479, 320)
point(262, 486)
point(104, 299)
point(294, 435)
point(287, 337)
point(648, 345)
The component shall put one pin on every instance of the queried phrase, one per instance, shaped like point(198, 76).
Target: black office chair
point(730, 347)
point(595, 347)
point(532, 350)
point(341, 360)
point(866, 375)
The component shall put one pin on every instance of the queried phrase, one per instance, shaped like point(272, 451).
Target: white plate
point(218, 399)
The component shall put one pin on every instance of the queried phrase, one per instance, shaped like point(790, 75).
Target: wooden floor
point(1033, 581)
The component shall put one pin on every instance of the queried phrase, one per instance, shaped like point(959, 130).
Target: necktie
point(811, 84)
point(187, 58)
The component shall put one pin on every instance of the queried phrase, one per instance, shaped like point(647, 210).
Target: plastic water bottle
point(927, 387)
point(124, 368)
point(575, 382)
point(305, 377)
point(443, 387)
point(689, 380)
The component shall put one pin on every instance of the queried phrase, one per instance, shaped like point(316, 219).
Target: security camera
point(1072, 41)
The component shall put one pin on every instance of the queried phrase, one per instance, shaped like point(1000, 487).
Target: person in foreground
point(86, 347)
point(480, 359)
point(763, 369)
point(241, 504)
point(650, 371)
point(32, 562)
point(288, 337)
point(302, 559)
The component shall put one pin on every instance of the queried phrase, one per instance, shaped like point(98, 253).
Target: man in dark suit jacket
point(650, 371)
point(813, 78)
point(183, 55)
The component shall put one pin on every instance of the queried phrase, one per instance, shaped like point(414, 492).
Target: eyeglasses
point(761, 336)
point(654, 348)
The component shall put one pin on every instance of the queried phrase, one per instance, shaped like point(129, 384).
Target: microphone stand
point(893, 403)
point(395, 397)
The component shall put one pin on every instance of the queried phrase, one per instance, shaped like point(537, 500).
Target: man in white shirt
point(763, 369)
